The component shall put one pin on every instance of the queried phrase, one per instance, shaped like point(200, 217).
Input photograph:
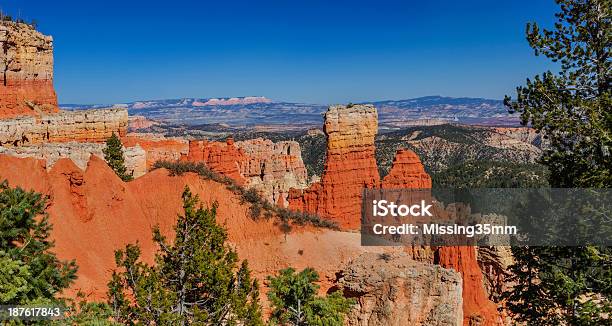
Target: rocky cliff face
point(396, 290)
point(158, 148)
point(65, 126)
point(477, 308)
point(79, 153)
point(26, 71)
point(273, 168)
point(350, 166)
point(224, 158)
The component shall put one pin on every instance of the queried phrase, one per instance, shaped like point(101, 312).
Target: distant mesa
point(233, 101)
point(196, 102)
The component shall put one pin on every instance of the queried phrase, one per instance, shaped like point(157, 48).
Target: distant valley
point(247, 112)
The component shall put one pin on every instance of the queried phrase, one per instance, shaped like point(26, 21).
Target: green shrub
point(113, 155)
point(294, 300)
point(258, 204)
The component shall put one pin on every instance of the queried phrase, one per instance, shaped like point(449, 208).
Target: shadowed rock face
point(26, 71)
point(396, 290)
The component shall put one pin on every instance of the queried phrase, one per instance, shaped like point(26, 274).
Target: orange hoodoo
point(350, 166)
point(407, 172)
point(26, 84)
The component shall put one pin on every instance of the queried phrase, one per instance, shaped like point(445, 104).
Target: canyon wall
point(224, 158)
point(26, 71)
point(64, 126)
point(79, 153)
point(396, 290)
point(158, 148)
point(350, 166)
point(273, 168)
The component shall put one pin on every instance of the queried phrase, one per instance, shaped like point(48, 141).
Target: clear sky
point(313, 51)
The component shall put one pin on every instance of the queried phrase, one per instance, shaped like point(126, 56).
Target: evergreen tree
point(196, 279)
point(29, 271)
point(113, 155)
point(569, 285)
point(86, 313)
point(573, 108)
point(294, 300)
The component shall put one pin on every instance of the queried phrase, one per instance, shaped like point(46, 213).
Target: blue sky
point(307, 51)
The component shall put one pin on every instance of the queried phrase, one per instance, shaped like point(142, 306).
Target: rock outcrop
point(26, 71)
point(477, 308)
point(79, 153)
point(495, 264)
point(224, 158)
point(407, 172)
point(158, 148)
point(273, 168)
point(137, 122)
point(93, 211)
point(350, 166)
point(396, 290)
point(65, 126)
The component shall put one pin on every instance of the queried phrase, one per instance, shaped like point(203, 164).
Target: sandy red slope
point(95, 213)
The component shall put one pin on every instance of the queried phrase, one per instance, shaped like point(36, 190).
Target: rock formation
point(396, 290)
point(273, 168)
point(233, 101)
point(224, 158)
point(26, 71)
point(350, 166)
point(407, 172)
point(137, 122)
point(495, 264)
point(93, 211)
point(158, 148)
point(79, 153)
point(477, 308)
point(65, 126)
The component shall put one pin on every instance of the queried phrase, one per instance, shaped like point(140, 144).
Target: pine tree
point(569, 285)
point(113, 155)
point(29, 271)
point(196, 279)
point(573, 108)
point(294, 300)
